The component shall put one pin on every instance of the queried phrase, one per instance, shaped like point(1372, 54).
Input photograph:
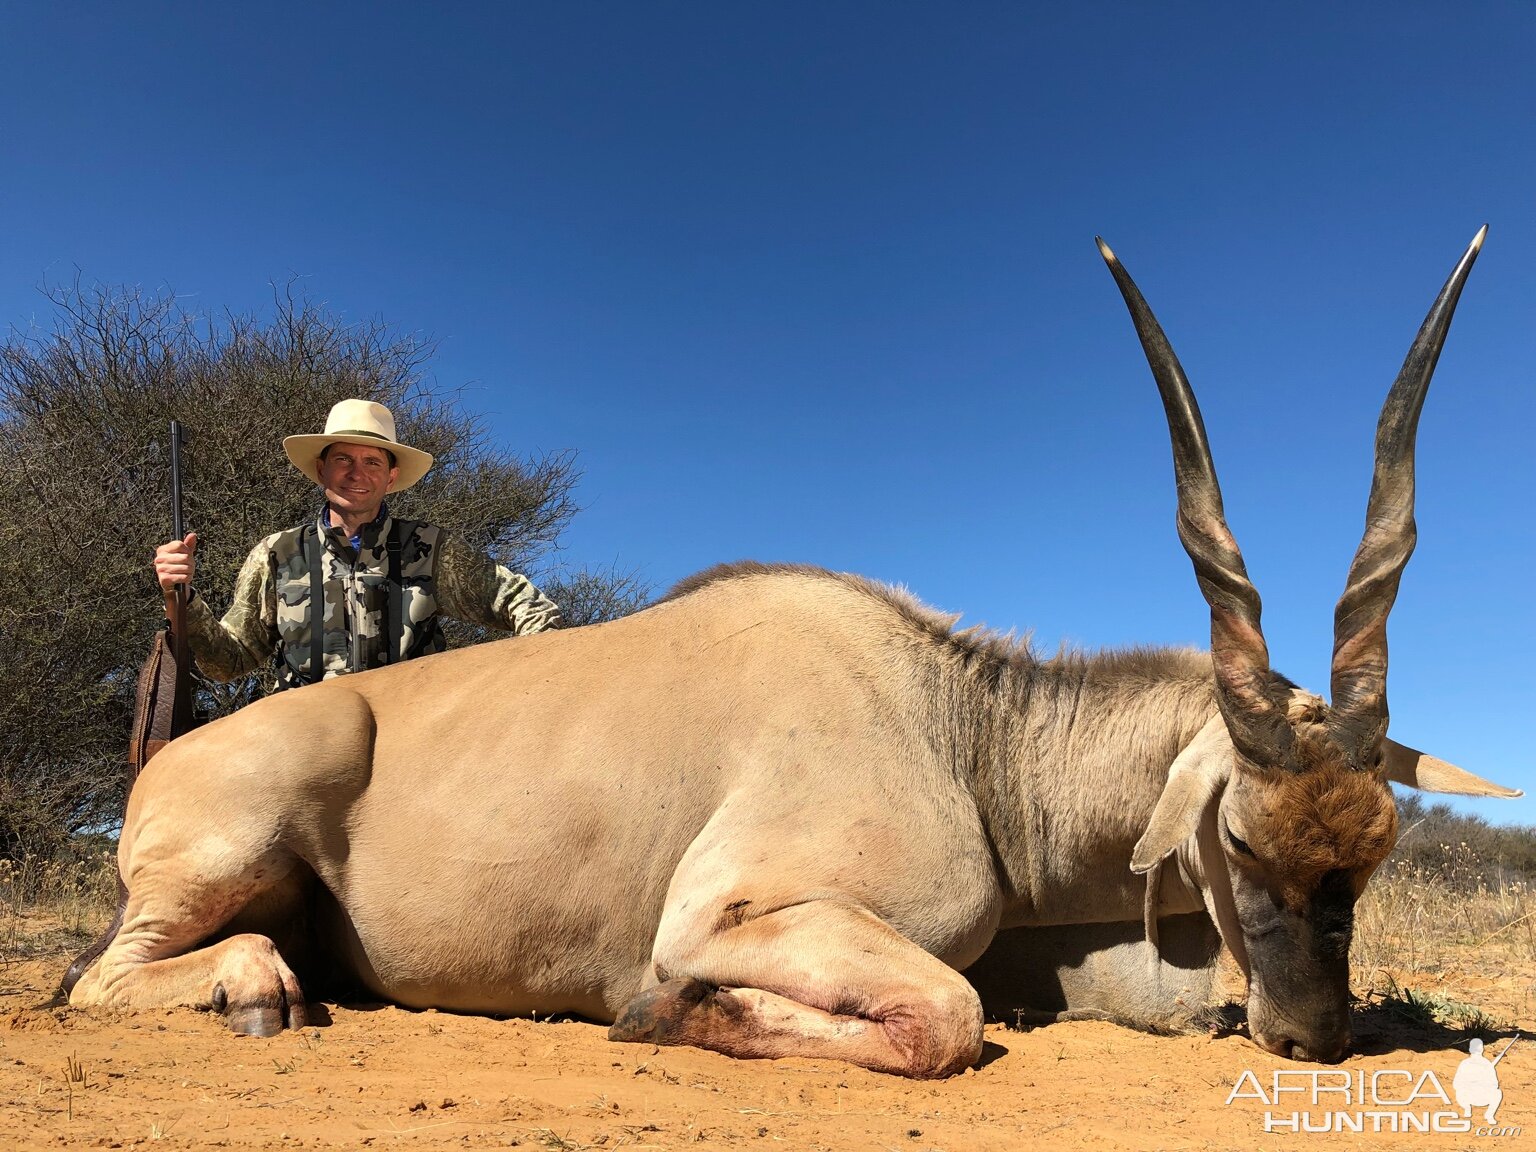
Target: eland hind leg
point(209, 859)
point(155, 961)
point(201, 860)
point(824, 979)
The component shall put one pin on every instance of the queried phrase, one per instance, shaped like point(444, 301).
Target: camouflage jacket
point(270, 615)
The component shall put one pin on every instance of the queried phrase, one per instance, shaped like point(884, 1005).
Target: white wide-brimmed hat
point(358, 422)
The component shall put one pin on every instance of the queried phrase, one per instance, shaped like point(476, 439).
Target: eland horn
point(1251, 697)
point(1359, 679)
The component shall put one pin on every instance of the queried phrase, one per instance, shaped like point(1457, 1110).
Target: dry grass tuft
point(1417, 917)
point(1437, 931)
point(54, 906)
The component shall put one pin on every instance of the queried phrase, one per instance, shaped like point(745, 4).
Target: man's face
point(355, 478)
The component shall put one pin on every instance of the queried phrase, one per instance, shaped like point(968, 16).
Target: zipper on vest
point(347, 578)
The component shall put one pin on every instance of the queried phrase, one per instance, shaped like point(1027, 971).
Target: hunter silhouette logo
point(1381, 1100)
point(1477, 1080)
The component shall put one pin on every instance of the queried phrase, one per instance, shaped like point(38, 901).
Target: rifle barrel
point(176, 525)
point(1507, 1047)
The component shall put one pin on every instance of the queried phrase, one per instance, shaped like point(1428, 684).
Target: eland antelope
point(779, 812)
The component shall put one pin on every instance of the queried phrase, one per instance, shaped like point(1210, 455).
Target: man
point(381, 583)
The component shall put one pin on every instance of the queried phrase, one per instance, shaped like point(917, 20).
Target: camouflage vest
point(380, 603)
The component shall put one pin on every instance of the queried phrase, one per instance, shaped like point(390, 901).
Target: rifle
point(162, 711)
point(1507, 1047)
point(163, 703)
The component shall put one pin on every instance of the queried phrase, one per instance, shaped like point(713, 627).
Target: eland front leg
point(823, 978)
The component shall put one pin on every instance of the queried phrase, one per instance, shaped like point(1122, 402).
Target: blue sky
point(816, 281)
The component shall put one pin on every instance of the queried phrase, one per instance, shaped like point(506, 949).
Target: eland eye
point(1239, 844)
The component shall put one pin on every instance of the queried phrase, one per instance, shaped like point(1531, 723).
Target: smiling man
point(382, 583)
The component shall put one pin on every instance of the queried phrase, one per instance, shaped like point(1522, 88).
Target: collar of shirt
point(370, 529)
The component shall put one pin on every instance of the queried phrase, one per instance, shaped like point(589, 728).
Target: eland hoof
point(255, 1021)
point(655, 1016)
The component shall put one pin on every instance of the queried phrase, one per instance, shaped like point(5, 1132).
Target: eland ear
point(1197, 777)
point(1409, 766)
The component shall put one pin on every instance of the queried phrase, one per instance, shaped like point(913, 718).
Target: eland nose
point(1318, 1050)
point(1323, 1052)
